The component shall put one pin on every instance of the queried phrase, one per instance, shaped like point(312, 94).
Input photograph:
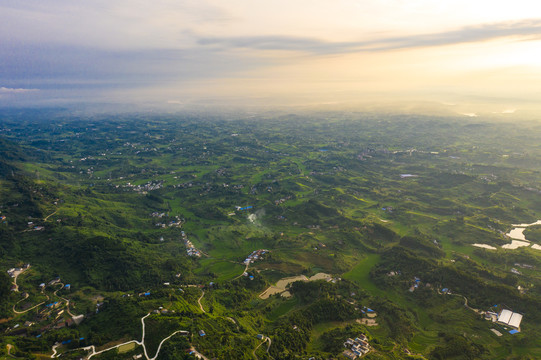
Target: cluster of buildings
point(57, 312)
point(176, 221)
point(506, 318)
point(415, 285)
point(394, 273)
point(162, 311)
point(34, 227)
point(143, 189)
point(282, 200)
point(190, 249)
point(525, 266)
point(357, 347)
point(158, 214)
point(255, 255)
point(16, 271)
point(183, 185)
point(251, 277)
point(172, 223)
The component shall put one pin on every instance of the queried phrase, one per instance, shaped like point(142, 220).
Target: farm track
point(199, 301)
point(92, 348)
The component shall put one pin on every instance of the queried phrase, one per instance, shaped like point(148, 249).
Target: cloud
point(66, 66)
point(520, 30)
point(506, 111)
point(5, 90)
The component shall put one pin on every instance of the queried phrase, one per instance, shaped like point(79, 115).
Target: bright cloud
point(6, 90)
point(314, 50)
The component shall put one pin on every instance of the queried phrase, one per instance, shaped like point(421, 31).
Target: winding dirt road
point(266, 338)
point(199, 302)
point(93, 351)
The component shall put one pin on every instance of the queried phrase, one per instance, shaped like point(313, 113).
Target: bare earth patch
point(368, 322)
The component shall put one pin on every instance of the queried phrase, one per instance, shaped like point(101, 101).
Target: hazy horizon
point(460, 58)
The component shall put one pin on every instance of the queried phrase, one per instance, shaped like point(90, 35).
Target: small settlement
point(48, 314)
point(255, 255)
point(357, 347)
point(506, 318)
point(168, 222)
point(13, 272)
point(190, 249)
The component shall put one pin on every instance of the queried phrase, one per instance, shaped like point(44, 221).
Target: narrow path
point(199, 355)
point(257, 347)
point(234, 322)
point(93, 351)
point(43, 302)
point(16, 275)
point(9, 346)
point(66, 300)
point(33, 307)
point(54, 350)
point(48, 216)
point(465, 303)
point(15, 283)
point(261, 343)
point(199, 302)
point(268, 347)
point(142, 342)
point(245, 270)
point(161, 343)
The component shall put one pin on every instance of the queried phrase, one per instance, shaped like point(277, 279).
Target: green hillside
point(157, 215)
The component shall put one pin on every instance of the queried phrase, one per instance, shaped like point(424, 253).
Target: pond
point(517, 238)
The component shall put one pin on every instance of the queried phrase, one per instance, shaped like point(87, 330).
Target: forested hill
point(9, 153)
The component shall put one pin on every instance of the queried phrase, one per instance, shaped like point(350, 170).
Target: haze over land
point(457, 57)
point(243, 180)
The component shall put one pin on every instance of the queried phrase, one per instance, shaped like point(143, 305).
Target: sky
point(461, 56)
